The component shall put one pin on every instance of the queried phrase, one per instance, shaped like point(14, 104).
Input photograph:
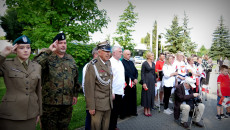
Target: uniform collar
point(27, 61)
point(101, 60)
point(54, 55)
point(20, 67)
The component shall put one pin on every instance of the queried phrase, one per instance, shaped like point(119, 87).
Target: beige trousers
point(100, 121)
point(186, 109)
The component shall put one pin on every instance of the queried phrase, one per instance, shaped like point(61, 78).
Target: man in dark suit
point(184, 101)
point(129, 102)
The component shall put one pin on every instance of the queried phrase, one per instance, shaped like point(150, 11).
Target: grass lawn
point(78, 116)
point(2, 88)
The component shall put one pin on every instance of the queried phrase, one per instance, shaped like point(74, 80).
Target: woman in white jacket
point(169, 78)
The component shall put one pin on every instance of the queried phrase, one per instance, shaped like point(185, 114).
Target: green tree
point(221, 41)
point(202, 51)
point(81, 52)
point(48, 17)
point(146, 39)
point(174, 37)
point(124, 27)
point(10, 24)
point(188, 46)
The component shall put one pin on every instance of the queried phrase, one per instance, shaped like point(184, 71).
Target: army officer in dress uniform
point(98, 91)
point(22, 104)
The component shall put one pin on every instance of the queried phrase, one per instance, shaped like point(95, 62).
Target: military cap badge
point(22, 40)
point(59, 37)
point(105, 46)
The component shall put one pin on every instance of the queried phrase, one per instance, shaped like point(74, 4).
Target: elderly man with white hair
point(118, 85)
point(185, 100)
point(129, 101)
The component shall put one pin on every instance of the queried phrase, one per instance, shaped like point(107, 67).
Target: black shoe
point(218, 117)
point(185, 125)
point(228, 114)
point(224, 116)
point(197, 124)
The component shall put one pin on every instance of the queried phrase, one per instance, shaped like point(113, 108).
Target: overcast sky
point(203, 17)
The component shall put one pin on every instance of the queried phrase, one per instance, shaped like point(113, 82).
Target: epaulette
point(94, 61)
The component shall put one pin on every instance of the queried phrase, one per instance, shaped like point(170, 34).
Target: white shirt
point(193, 69)
point(168, 81)
point(200, 69)
point(186, 92)
point(118, 76)
point(181, 68)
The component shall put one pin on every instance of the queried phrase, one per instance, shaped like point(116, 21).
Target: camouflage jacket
point(59, 78)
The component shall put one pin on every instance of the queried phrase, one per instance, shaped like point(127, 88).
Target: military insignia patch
point(24, 39)
point(94, 61)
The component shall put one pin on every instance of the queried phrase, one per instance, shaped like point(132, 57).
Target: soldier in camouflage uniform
point(59, 86)
point(98, 91)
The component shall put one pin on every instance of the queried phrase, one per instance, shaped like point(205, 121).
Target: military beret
point(60, 36)
point(22, 40)
point(105, 46)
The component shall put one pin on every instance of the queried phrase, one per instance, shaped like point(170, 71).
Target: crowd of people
point(46, 88)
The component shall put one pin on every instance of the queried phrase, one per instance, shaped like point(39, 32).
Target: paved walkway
point(161, 121)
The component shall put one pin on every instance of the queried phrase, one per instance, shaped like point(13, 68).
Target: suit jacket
point(180, 97)
point(98, 96)
point(22, 100)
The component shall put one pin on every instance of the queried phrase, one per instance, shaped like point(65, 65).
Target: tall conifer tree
point(221, 41)
point(174, 37)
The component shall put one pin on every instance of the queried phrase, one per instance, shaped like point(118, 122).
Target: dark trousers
point(87, 120)
point(167, 94)
point(115, 111)
point(129, 102)
point(56, 117)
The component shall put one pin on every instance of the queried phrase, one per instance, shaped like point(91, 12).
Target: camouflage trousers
point(56, 117)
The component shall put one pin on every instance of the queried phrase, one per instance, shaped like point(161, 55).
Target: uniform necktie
point(25, 65)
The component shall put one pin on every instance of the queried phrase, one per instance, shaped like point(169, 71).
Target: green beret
point(22, 40)
point(60, 36)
